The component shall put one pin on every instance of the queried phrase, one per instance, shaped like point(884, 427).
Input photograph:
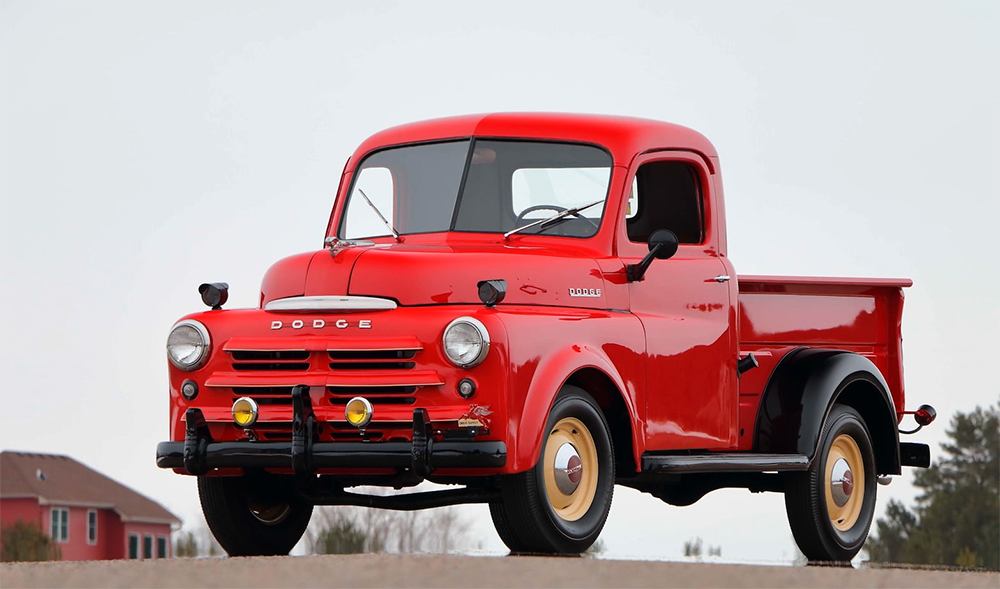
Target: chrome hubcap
point(841, 482)
point(568, 469)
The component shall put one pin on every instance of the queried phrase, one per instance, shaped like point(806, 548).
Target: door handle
point(721, 278)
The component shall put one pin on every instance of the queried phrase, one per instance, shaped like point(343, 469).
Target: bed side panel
point(780, 314)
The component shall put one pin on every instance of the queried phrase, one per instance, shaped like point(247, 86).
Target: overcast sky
point(148, 147)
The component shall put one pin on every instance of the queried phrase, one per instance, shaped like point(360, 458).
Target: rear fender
point(801, 392)
point(548, 379)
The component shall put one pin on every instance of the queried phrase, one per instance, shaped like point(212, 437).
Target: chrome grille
point(377, 395)
point(383, 370)
point(372, 359)
point(271, 360)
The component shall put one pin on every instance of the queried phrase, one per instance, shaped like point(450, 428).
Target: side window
point(633, 200)
point(147, 546)
point(161, 547)
point(667, 195)
point(60, 524)
point(133, 546)
point(91, 526)
point(362, 221)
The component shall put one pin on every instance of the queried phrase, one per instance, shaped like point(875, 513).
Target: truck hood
point(419, 274)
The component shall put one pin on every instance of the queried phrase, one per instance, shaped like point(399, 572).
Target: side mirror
point(662, 245)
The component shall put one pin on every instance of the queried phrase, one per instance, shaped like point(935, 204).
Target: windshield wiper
point(375, 208)
point(545, 223)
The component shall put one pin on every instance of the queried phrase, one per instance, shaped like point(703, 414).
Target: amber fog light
point(245, 412)
point(358, 412)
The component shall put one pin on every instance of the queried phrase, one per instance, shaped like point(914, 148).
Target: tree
point(956, 521)
point(353, 530)
point(694, 548)
point(196, 542)
point(596, 549)
point(25, 541)
point(341, 534)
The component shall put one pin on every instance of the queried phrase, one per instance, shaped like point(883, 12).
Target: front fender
point(527, 429)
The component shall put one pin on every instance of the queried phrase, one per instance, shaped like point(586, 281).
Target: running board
point(728, 462)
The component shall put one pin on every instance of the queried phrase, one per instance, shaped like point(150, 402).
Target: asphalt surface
point(390, 570)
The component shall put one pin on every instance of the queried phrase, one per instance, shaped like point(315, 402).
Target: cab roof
point(624, 137)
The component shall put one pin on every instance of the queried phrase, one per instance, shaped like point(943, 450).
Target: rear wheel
point(253, 515)
point(830, 506)
point(561, 504)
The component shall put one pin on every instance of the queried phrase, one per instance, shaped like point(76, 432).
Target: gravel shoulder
point(391, 570)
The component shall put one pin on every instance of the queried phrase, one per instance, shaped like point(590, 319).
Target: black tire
point(828, 520)
point(527, 518)
point(253, 515)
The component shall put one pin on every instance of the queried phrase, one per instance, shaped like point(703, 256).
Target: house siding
point(26, 509)
point(76, 547)
point(112, 533)
point(144, 529)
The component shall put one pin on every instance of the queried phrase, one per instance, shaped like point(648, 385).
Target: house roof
point(60, 480)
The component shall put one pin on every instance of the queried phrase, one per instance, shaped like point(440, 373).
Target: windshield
point(489, 186)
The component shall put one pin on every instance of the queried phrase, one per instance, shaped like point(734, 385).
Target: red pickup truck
point(535, 308)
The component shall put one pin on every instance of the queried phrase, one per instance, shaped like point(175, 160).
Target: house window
point(91, 526)
point(147, 546)
point(161, 547)
point(133, 546)
point(60, 524)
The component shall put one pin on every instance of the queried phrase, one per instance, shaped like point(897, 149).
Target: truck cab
point(534, 308)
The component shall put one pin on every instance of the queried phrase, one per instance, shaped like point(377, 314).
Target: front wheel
point(253, 515)
point(830, 506)
point(561, 504)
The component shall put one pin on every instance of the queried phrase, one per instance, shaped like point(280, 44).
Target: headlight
point(466, 342)
point(188, 345)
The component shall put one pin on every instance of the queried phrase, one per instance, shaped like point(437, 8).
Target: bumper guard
point(198, 454)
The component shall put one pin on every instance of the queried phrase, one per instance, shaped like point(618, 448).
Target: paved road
point(386, 570)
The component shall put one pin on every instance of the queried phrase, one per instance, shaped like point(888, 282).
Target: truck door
point(684, 305)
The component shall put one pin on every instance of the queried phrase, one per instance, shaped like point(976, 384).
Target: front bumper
point(198, 453)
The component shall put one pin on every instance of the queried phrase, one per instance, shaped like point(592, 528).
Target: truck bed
point(778, 314)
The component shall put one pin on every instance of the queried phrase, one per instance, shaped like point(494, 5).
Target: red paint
point(778, 315)
point(667, 346)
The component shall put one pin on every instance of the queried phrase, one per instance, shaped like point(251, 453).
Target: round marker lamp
point(189, 389)
point(467, 387)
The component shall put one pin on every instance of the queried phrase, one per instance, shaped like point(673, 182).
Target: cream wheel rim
point(570, 461)
point(845, 482)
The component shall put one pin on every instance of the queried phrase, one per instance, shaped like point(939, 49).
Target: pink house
point(91, 516)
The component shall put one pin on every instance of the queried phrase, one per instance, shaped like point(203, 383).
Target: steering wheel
point(556, 208)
